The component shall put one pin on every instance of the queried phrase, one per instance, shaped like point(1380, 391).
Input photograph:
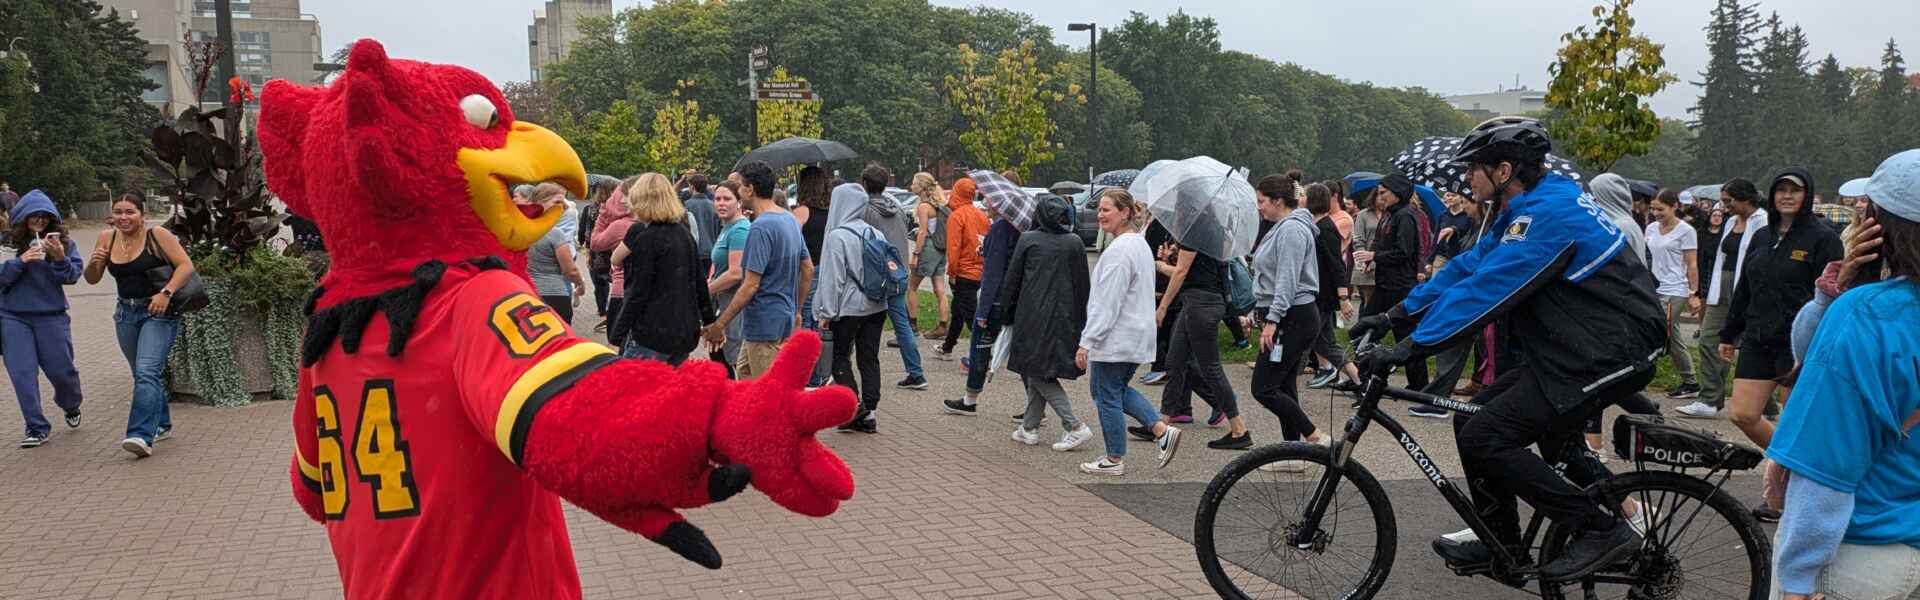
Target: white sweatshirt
point(1120, 326)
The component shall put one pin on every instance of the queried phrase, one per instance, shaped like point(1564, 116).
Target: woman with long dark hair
point(34, 327)
point(1851, 524)
point(141, 320)
point(1286, 289)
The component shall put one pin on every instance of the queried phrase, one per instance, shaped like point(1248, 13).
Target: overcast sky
point(1450, 47)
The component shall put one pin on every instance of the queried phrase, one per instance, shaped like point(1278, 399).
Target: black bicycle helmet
point(1510, 139)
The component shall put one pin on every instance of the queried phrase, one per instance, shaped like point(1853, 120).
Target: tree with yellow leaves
point(782, 119)
point(682, 137)
point(1005, 105)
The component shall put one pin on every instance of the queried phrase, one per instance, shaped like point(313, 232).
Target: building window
point(242, 9)
point(157, 72)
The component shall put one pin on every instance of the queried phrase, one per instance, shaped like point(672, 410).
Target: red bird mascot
point(443, 410)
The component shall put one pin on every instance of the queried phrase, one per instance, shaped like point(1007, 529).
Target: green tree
point(1124, 140)
point(1599, 80)
point(86, 117)
point(1888, 111)
point(614, 142)
point(1005, 105)
point(682, 137)
point(1837, 150)
point(1723, 116)
point(1668, 161)
point(1784, 94)
point(1172, 64)
point(781, 119)
point(531, 101)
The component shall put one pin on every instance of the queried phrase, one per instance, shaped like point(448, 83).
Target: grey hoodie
point(885, 215)
point(1285, 273)
point(1614, 194)
point(836, 291)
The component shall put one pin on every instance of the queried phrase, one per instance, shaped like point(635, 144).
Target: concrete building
point(556, 27)
point(272, 40)
point(1502, 102)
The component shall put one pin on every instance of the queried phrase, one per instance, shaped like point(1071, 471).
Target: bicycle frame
point(1369, 413)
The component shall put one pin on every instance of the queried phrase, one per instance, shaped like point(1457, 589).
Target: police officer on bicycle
point(1586, 327)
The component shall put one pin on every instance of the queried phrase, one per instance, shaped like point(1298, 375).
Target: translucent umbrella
point(1205, 204)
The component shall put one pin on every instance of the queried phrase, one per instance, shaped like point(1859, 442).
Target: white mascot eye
point(480, 111)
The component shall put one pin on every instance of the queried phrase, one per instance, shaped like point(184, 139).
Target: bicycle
point(1229, 543)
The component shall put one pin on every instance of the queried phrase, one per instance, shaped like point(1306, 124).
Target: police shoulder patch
point(1517, 230)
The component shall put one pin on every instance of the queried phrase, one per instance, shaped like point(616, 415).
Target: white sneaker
point(1022, 435)
point(1462, 536)
point(1699, 410)
point(1598, 453)
point(137, 446)
point(1168, 444)
point(1641, 518)
point(1103, 467)
point(1073, 439)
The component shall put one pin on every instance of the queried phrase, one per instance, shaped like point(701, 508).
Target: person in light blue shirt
point(1851, 527)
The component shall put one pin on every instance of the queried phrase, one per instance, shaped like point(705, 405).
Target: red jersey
point(415, 457)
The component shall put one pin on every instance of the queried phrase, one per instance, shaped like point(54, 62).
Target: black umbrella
point(1119, 178)
point(797, 151)
point(1429, 161)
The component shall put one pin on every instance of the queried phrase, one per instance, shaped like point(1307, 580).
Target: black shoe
point(915, 382)
point(1592, 550)
point(893, 342)
point(73, 420)
point(33, 440)
point(867, 425)
point(1141, 432)
point(1684, 391)
point(1766, 514)
point(1233, 442)
point(1431, 412)
point(960, 407)
point(1462, 554)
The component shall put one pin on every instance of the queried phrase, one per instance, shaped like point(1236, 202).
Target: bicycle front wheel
point(1700, 542)
point(1252, 514)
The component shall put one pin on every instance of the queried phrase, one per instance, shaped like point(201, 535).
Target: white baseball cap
point(1895, 185)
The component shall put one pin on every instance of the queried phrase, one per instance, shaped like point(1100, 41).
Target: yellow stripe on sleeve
point(307, 468)
point(549, 377)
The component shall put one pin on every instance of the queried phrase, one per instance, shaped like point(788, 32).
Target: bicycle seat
point(1656, 439)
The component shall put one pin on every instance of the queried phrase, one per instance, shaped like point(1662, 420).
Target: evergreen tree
point(1838, 143)
point(1724, 114)
point(86, 115)
point(1887, 110)
point(1785, 103)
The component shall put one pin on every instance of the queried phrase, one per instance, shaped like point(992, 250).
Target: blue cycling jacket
point(1553, 265)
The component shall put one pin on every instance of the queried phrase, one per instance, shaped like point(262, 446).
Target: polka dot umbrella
point(1429, 162)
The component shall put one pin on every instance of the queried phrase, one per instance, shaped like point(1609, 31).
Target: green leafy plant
point(1005, 105)
point(218, 192)
point(1600, 80)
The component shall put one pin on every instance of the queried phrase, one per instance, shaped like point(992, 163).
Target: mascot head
point(400, 162)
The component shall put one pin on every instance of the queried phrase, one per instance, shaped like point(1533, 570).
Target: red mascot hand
point(768, 424)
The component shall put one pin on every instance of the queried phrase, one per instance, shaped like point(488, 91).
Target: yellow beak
point(532, 155)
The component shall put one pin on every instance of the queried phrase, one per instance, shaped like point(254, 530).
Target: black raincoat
point(1045, 294)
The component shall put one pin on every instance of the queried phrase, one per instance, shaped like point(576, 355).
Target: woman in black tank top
point(140, 319)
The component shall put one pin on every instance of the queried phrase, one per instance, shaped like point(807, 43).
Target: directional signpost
point(783, 90)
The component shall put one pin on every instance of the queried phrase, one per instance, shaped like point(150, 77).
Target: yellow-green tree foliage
point(1005, 104)
point(781, 119)
point(1600, 81)
point(615, 140)
point(682, 136)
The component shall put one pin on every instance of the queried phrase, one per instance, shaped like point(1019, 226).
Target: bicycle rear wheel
point(1699, 543)
point(1249, 515)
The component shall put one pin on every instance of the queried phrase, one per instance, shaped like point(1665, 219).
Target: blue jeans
point(145, 340)
point(36, 343)
point(904, 333)
point(1112, 397)
point(633, 349)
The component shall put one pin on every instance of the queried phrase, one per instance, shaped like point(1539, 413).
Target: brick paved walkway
point(940, 513)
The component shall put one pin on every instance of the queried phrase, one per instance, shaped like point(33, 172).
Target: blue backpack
point(1239, 287)
point(882, 274)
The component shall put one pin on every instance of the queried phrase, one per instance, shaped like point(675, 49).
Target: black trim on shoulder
point(523, 422)
point(347, 321)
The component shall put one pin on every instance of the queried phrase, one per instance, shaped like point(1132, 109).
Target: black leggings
point(562, 306)
point(1276, 384)
point(1193, 358)
point(1383, 300)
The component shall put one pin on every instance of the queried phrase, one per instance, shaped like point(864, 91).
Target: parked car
point(1087, 216)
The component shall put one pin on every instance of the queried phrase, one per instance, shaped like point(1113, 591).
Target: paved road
point(947, 506)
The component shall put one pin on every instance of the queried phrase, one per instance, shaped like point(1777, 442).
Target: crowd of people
point(1795, 298)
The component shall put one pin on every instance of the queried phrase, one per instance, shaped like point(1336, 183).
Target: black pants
point(1276, 384)
point(966, 296)
point(861, 335)
point(562, 306)
point(602, 286)
point(1449, 364)
point(1638, 404)
point(1324, 345)
point(1164, 338)
point(1499, 466)
point(1193, 358)
point(1383, 300)
point(1232, 321)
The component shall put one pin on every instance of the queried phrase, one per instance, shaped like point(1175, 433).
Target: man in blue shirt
point(778, 274)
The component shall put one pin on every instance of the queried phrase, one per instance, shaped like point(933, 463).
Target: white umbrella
point(1206, 205)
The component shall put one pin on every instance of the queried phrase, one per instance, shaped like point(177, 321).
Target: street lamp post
point(1093, 81)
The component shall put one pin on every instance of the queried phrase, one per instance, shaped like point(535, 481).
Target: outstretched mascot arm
point(632, 441)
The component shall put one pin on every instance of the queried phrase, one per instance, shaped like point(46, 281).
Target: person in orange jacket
point(966, 226)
